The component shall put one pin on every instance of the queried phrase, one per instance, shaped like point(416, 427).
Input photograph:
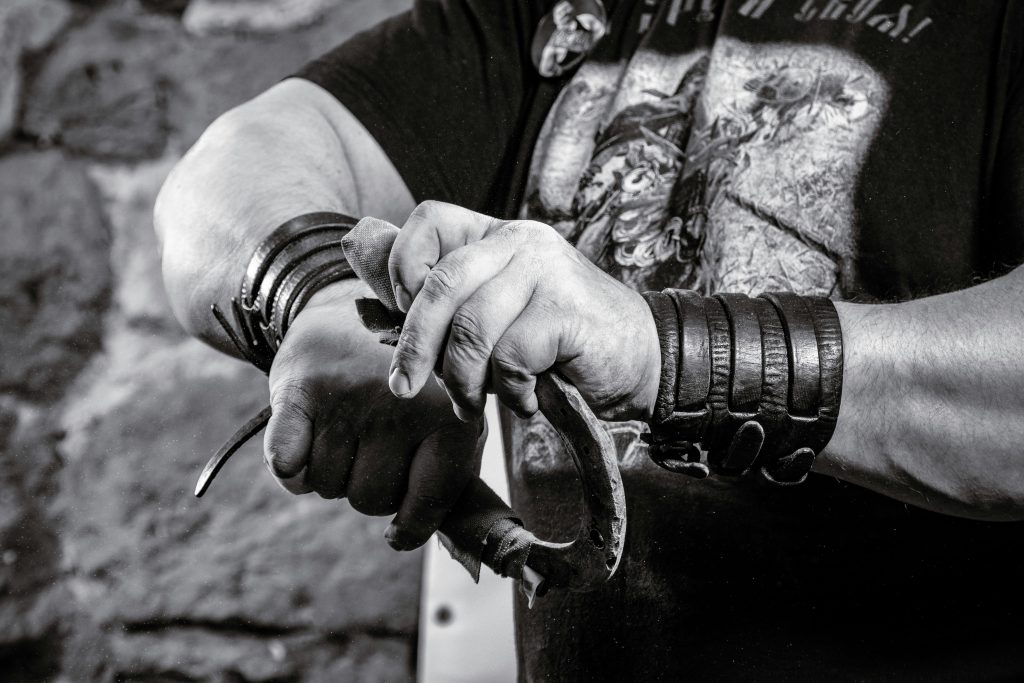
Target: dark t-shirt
point(863, 149)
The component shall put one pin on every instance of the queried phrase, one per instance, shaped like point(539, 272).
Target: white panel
point(466, 629)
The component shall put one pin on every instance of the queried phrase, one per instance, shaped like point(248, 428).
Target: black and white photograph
point(511, 341)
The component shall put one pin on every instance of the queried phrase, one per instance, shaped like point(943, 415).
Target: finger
point(331, 458)
point(440, 469)
point(379, 475)
point(447, 286)
point(476, 327)
point(289, 436)
point(528, 348)
point(433, 230)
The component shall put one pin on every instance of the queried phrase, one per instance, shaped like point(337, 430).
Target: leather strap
point(747, 363)
point(667, 323)
point(721, 374)
point(278, 282)
point(309, 270)
point(802, 345)
point(294, 253)
point(757, 383)
point(287, 267)
point(695, 343)
point(268, 250)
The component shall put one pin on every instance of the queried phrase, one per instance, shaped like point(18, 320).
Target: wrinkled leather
point(757, 384)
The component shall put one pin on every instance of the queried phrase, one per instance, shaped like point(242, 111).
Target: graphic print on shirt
point(726, 170)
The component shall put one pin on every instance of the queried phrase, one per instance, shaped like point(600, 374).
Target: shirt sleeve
point(443, 88)
point(1002, 221)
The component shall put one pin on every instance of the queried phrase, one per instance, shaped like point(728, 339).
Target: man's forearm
point(290, 151)
point(933, 400)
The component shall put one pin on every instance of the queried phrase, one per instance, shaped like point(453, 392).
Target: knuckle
point(506, 362)
point(511, 231)
point(512, 384)
point(467, 335)
point(430, 503)
point(411, 346)
point(277, 459)
point(329, 491)
point(293, 397)
point(517, 399)
point(424, 211)
point(441, 281)
point(538, 230)
point(373, 502)
point(466, 394)
point(327, 485)
point(495, 226)
point(284, 458)
point(529, 231)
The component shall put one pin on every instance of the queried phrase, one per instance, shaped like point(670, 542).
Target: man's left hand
point(502, 301)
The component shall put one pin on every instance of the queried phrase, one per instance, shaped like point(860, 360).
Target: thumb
point(289, 436)
point(442, 466)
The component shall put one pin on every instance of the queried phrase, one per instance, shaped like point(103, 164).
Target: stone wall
point(109, 569)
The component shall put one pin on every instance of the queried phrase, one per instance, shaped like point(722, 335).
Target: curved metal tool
point(580, 564)
point(583, 563)
point(593, 556)
point(251, 428)
point(481, 527)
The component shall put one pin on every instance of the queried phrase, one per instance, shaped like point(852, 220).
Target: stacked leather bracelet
point(747, 384)
point(295, 261)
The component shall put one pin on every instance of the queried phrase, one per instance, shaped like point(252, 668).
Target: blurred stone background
point(109, 569)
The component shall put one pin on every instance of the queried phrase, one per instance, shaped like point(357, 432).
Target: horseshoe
point(481, 527)
point(592, 557)
point(581, 564)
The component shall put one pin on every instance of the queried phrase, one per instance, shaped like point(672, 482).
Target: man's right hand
point(337, 430)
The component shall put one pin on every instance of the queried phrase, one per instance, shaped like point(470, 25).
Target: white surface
point(476, 644)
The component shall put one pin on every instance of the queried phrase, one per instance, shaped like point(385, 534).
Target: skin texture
point(502, 301)
point(933, 401)
point(335, 426)
point(933, 388)
point(933, 392)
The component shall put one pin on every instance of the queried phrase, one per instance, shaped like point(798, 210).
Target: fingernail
point(402, 298)
point(280, 474)
point(399, 383)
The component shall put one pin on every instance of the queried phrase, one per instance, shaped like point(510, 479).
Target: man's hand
point(502, 301)
point(337, 430)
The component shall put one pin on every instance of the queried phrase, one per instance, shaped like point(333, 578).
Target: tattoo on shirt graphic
point(731, 169)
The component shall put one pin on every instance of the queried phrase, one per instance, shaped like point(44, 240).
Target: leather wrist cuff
point(747, 385)
point(295, 261)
